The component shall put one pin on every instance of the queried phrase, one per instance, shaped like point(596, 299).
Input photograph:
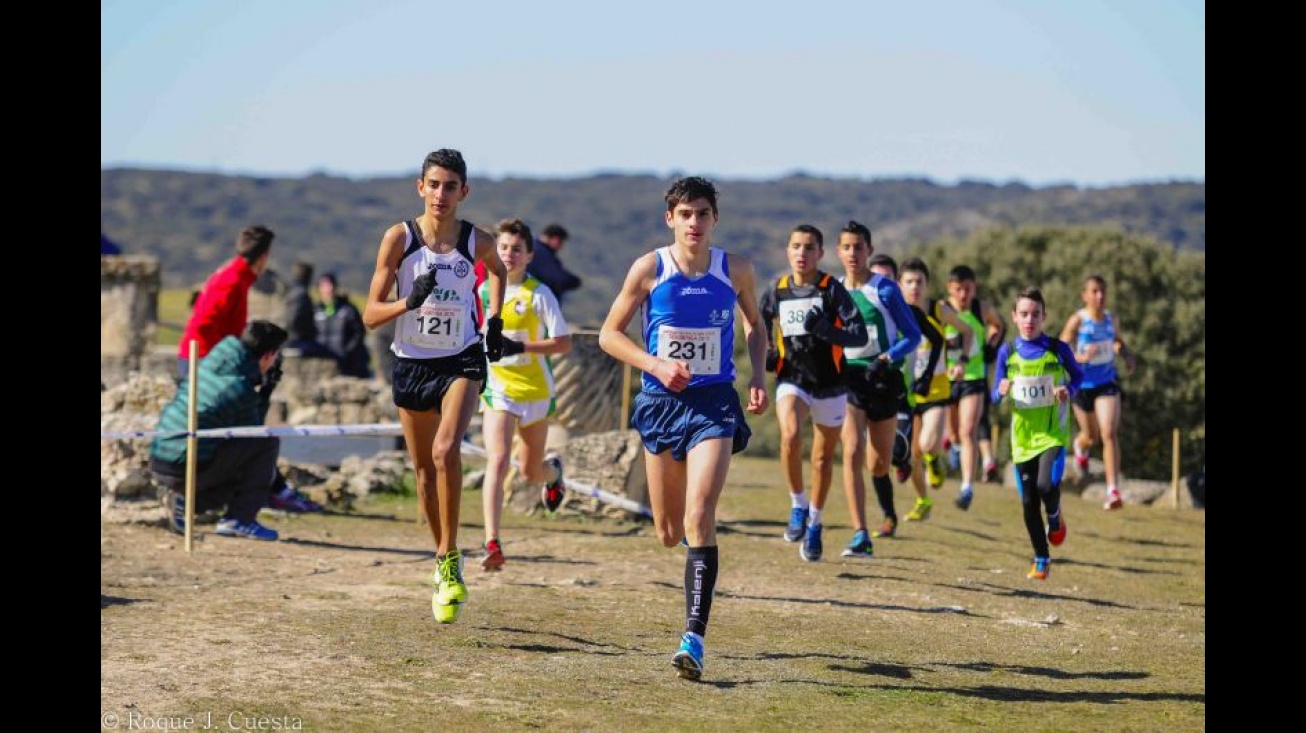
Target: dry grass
point(941, 630)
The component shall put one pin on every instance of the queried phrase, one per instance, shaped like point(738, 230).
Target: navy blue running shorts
point(681, 421)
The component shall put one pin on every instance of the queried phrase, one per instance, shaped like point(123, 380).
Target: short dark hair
point(961, 274)
point(1033, 294)
point(263, 337)
point(884, 261)
point(809, 229)
point(554, 230)
point(690, 188)
point(916, 264)
point(448, 159)
point(518, 228)
point(331, 277)
point(856, 227)
point(301, 273)
point(254, 242)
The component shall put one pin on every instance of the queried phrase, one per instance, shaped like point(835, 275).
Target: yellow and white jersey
point(530, 313)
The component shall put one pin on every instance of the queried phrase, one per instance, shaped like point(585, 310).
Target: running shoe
point(553, 492)
point(991, 475)
point(921, 511)
point(249, 530)
point(887, 529)
point(903, 473)
point(811, 547)
point(860, 546)
point(688, 660)
point(964, 498)
point(450, 593)
point(294, 501)
point(1057, 535)
point(174, 504)
point(933, 472)
point(1113, 500)
point(494, 558)
point(797, 525)
point(1039, 570)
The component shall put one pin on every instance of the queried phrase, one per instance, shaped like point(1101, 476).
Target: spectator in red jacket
point(222, 306)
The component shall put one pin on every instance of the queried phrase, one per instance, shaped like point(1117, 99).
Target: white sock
point(990, 464)
point(966, 489)
point(814, 518)
point(1112, 489)
point(799, 500)
point(1080, 452)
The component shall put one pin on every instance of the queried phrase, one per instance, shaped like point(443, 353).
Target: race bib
point(1100, 352)
point(521, 359)
point(1032, 391)
point(869, 351)
point(438, 327)
point(920, 363)
point(794, 312)
point(700, 347)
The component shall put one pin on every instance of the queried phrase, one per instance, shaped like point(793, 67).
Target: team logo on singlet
point(718, 317)
point(519, 307)
point(460, 269)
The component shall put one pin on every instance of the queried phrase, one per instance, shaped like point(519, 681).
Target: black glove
point(422, 286)
point(877, 368)
point(772, 360)
point(818, 325)
point(512, 347)
point(922, 384)
point(494, 339)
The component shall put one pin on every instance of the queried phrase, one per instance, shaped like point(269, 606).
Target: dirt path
point(331, 629)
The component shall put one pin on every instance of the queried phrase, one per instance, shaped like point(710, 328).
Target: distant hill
point(189, 220)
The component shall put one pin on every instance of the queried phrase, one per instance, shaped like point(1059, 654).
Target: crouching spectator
point(233, 475)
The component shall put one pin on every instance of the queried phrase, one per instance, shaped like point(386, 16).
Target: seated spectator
point(233, 475)
point(340, 329)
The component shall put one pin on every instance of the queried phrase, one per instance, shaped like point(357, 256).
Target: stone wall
point(129, 307)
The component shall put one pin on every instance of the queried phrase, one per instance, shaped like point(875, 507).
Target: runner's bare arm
point(612, 336)
point(744, 279)
point(379, 310)
point(495, 273)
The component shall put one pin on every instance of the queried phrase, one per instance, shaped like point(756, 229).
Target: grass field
point(941, 630)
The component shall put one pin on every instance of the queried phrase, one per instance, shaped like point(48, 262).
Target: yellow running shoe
point(933, 472)
point(921, 511)
point(451, 592)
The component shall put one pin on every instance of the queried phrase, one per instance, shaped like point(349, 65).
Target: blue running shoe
point(174, 503)
point(797, 525)
point(860, 546)
point(251, 530)
point(688, 661)
point(964, 499)
point(811, 548)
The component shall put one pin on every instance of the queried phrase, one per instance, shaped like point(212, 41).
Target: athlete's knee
point(446, 451)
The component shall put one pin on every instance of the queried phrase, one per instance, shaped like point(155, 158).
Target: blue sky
point(1051, 91)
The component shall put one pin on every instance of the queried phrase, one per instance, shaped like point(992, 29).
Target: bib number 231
point(699, 347)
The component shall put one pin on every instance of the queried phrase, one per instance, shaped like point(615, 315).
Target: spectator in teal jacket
point(236, 379)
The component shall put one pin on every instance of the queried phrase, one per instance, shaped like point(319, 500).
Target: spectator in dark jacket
point(235, 383)
point(340, 329)
point(301, 321)
point(546, 267)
